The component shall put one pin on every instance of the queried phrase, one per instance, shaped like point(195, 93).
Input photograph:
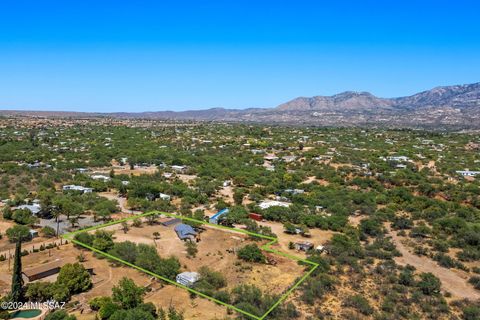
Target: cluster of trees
point(20, 216)
point(142, 255)
point(127, 303)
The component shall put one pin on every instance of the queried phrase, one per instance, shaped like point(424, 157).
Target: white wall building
point(77, 188)
point(468, 173)
point(265, 204)
point(188, 278)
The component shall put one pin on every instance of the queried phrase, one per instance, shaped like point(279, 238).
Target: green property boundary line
point(266, 247)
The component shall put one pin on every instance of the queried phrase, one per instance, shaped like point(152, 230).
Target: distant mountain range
point(449, 107)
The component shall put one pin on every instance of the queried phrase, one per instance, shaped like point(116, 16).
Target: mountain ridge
point(456, 106)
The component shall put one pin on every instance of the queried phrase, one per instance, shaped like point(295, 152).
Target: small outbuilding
point(33, 233)
point(188, 278)
point(255, 216)
point(218, 215)
point(164, 196)
point(303, 246)
point(167, 221)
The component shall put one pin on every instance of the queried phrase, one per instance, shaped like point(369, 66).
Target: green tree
point(132, 314)
point(128, 294)
point(17, 293)
point(103, 240)
point(23, 216)
point(126, 251)
point(238, 196)
point(251, 253)
point(84, 237)
point(169, 267)
point(18, 233)
point(48, 232)
point(107, 310)
point(98, 302)
point(74, 277)
point(39, 291)
point(7, 213)
point(471, 313)
point(191, 249)
point(60, 315)
point(289, 228)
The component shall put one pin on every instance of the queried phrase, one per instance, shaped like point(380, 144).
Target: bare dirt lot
point(216, 251)
point(317, 237)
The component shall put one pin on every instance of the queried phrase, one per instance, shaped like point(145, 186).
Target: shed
point(168, 221)
point(303, 246)
point(42, 271)
point(255, 216)
point(164, 196)
point(184, 232)
point(179, 168)
point(33, 233)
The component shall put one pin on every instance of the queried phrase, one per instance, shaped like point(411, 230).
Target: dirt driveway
point(453, 281)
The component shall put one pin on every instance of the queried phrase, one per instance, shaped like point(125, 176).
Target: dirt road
point(453, 281)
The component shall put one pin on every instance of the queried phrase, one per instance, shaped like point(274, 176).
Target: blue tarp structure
point(217, 215)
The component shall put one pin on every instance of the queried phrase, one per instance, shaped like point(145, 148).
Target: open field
point(217, 247)
point(216, 250)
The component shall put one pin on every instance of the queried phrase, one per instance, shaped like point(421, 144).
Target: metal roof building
point(217, 216)
point(184, 231)
point(188, 278)
point(34, 208)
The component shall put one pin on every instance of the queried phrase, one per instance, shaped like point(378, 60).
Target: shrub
point(98, 302)
point(210, 279)
point(137, 223)
point(471, 313)
point(429, 284)
point(48, 232)
point(84, 237)
point(126, 251)
point(251, 253)
point(475, 281)
point(359, 303)
point(191, 249)
point(60, 315)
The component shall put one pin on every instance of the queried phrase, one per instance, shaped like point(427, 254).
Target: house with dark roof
point(185, 232)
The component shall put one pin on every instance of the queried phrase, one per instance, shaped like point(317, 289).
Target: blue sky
point(177, 55)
